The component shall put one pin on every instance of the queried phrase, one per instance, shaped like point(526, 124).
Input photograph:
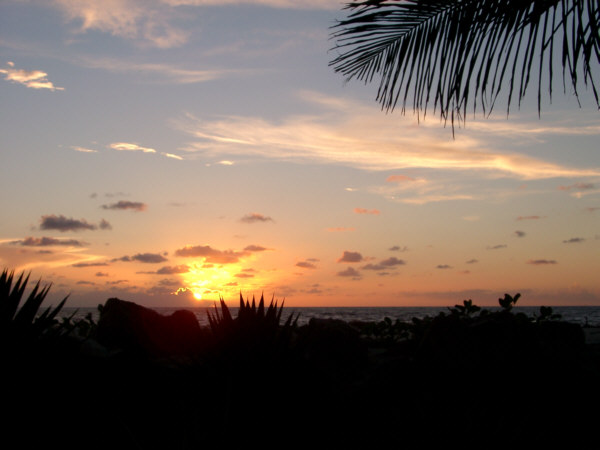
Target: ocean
point(583, 315)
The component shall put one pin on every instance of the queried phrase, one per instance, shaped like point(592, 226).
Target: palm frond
point(458, 53)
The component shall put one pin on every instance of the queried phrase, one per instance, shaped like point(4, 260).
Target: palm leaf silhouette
point(457, 53)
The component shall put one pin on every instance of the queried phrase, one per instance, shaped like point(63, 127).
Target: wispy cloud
point(255, 248)
point(124, 205)
point(306, 265)
point(541, 262)
point(255, 217)
point(472, 261)
point(63, 224)
point(443, 266)
point(496, 247)
point(34, 79)
point(350, 257)
point(125, 146)
point(147, 258)
point(83, 149)
point(49, 242)
point(90, 264)
point(354, 137)
point(373, 212)
point(519, 233)
point(397, 248)
point(211, 255)
point(530, 217)
point(574, 240)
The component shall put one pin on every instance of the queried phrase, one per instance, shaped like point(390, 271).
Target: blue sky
point(169, 152)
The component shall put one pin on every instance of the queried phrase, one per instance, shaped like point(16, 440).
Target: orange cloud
point(374, 212)
point(398, 178)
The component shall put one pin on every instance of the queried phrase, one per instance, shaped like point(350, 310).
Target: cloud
point(211, 255)
point(171, 155)
point(49, 241)
point(399, 179)
point(443, 266)
point(519, 234)
point(374, 212)
point(63, 224)
point(170, 270)
point(83, 149)
point(351, 135)
point(393, 261)
point(148, 258)
point(397, 248)
point(104, 225)
point(144, 21)
point(573, 240)
point(124, 146)
point(90, 264)
point(529, 217)
point(34, 79)
point(255, 217)
point(496, 247)
point(350, 257)
point(283, 4)
point(340, 229)
point(255, 248)
point(244, 275)
point(541, 262)
point(306, 265)
point(151, 258)
point(123, 204)
point(577, 186)
point(349, 272)
point(472, 261)
point(101, 274)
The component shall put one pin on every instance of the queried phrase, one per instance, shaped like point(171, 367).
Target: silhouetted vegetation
point(137, 379)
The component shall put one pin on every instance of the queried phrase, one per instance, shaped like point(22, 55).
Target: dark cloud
point(349, 272)
point(101, 274)
point(85, 282)
point(519, 233)
point(472, 261)
point(374, 212)
point(124, 204)
point(150, 258)
point(306, 265)
point(350, 257)
point(255, 217)
point(496, 247)
point(89, 264)
point(541, 262)
point(397, 248)
point(443, 266)
point(529, 217)
point(211, 255)
point(578, 186)
point(169, 270)
point(63, 224)
point(255, 248)
point(49, 241)
point(393, 261)
point(244, 275)
point(104, 225)
point(573, 240)
point(385, 264)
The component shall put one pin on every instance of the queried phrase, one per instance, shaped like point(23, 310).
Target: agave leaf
point(11, 295)
point(29, 310)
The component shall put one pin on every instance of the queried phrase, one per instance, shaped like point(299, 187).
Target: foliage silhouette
point(455, 53)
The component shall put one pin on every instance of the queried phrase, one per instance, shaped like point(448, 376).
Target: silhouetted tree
point(454, 53)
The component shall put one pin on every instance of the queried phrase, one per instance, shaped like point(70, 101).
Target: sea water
point(583, 315)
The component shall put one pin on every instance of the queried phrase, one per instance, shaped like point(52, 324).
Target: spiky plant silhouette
point(26, 321)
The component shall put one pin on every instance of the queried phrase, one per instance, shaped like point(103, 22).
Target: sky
point(173, 152)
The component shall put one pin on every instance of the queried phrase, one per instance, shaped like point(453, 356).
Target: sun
point(198, 295)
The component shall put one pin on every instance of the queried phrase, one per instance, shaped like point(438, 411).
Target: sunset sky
point(169, 152)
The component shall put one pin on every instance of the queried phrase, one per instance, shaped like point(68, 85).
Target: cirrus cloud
point(124, 204)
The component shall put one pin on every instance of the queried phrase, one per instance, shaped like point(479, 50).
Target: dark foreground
point(139, 380)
